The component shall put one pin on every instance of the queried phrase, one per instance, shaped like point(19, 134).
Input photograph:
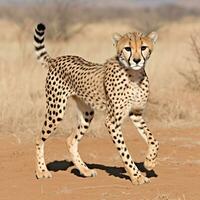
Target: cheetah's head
point(134, 49)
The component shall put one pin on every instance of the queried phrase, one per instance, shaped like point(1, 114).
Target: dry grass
point(192, 76)
point(22, 102)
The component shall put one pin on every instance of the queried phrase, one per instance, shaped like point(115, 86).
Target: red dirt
point(178, 169)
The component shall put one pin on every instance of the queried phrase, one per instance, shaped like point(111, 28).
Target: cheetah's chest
point(137, 95)
point(127, 90)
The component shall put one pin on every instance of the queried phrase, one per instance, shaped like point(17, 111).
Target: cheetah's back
point(85, 79)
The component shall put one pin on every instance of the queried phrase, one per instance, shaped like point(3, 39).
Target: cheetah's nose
point(136, 60)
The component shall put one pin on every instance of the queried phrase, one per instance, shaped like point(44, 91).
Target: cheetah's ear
point(153, 36)
point(115, 38)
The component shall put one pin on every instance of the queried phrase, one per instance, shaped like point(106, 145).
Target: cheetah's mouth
point(136, 67)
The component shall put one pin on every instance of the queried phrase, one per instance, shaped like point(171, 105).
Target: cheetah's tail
point(40, 50)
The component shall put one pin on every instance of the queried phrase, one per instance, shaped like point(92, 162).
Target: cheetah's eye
point(143, 48)
point(127, 48)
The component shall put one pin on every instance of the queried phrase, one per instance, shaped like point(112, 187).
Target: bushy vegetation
point(192, 75)
point(65, 18)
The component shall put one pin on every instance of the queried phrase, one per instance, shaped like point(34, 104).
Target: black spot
point(130, 114)
point(86, 127)
point(59, 119)
point(113, 130)
point(48, 131)
point(43, 139)
point(128, 156)
point(117, 126)
point(76, 136)
point(137, 114)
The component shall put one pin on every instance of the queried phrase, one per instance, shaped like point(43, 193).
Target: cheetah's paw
point(149, 165)
point(140, 180)
point(43, 174)
point(88, 173)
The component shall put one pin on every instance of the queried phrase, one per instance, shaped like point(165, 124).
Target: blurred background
point(85, 28)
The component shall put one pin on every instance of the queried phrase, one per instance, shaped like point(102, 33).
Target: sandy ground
point(175, 177)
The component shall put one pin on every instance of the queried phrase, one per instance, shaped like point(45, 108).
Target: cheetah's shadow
point(110, 170)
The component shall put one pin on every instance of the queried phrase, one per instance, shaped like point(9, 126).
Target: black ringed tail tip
point(40, 33)
point(41, 27)
point(40, 50)
point(40, 41)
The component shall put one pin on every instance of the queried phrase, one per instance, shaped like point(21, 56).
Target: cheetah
point(120, 86)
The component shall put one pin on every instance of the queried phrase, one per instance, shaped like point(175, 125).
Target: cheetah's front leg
point(114, 128)
point(153, 144)
point(85, 116)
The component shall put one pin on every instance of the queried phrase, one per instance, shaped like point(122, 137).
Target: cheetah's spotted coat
point(120, 86)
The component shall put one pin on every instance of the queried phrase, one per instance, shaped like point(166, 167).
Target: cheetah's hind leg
point(54, 114)
point(85, 116)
